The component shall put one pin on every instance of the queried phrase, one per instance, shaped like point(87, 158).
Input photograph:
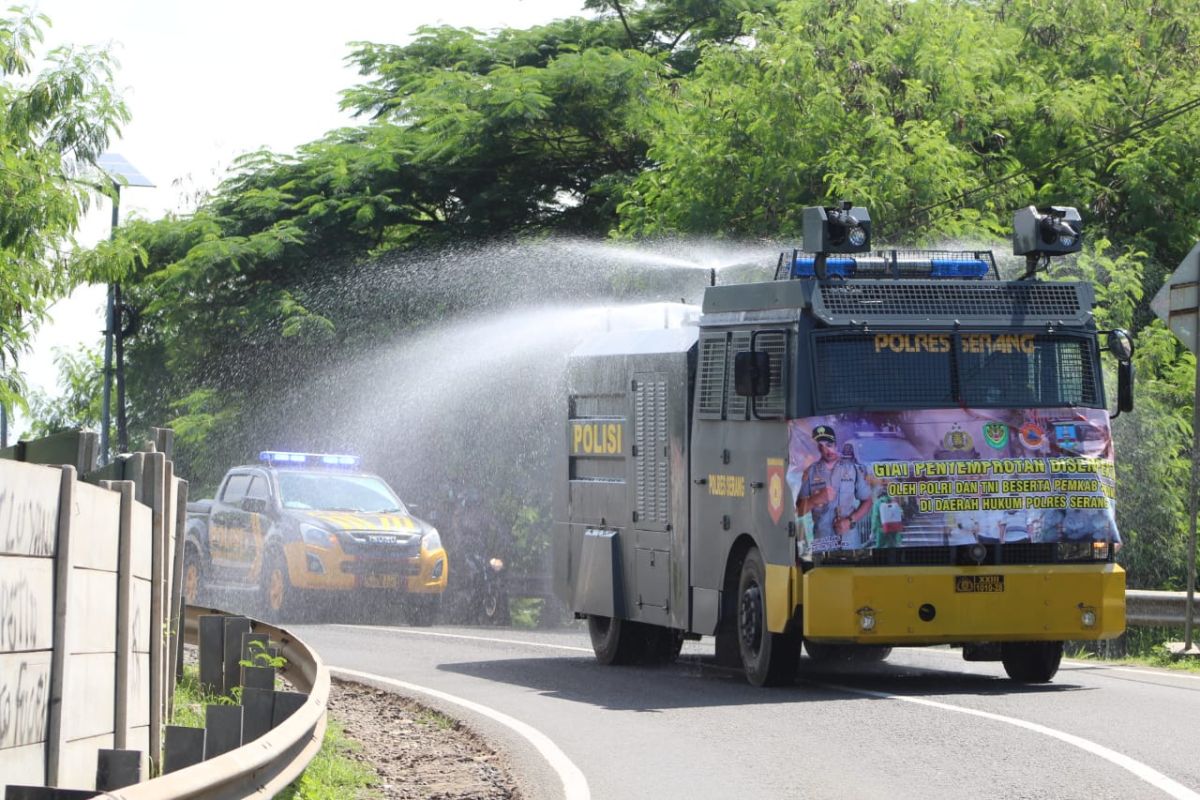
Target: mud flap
point(599, 589)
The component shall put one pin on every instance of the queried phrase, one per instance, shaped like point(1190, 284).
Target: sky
point(206, 82)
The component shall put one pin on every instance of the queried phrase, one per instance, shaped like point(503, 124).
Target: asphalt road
point(925, 724)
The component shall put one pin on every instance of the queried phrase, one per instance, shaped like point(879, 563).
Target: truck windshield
point(333, 492)
point(976, 370)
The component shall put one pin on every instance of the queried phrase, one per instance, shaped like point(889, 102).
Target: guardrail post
point(212, 654)
point(116, 769)
point(224, 730)
point(153, 478)
point(286, 704)
point(45, 793)
point(183, 747)
point(258, 712)
point(124, 616)
point(235, 628)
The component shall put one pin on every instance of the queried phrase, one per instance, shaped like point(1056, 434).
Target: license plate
point(381, 581)
point(979, 583)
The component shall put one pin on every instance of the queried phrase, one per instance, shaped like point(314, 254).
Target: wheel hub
point(750, 618)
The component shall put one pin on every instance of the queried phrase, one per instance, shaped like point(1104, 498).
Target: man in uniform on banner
point(835, 491)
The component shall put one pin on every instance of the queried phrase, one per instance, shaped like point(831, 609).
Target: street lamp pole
point(110, 317)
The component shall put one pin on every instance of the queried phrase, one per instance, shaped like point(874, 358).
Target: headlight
point(317, 537)
point(431, 541)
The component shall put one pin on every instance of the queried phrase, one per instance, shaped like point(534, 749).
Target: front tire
point(193, 575)
point(1031, 662)
point(768, 659)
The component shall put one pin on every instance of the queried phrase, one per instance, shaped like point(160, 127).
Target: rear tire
point(615, 641)
point(193, 575)
point(276, 587)
point(1031, 662)
point(768, 659)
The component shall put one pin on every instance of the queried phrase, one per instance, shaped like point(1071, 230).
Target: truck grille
point(1028, 302)
point(381, 544)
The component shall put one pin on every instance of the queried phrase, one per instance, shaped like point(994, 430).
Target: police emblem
point(957, 439)
point(996, 435)
point(775, 488)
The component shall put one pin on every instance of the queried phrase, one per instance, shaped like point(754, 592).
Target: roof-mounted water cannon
point(842, 229)
point(1039, 233)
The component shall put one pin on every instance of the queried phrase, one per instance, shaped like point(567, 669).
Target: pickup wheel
point(1031, 662)
point(193, 574)
point(768, 659)
point(276, 587)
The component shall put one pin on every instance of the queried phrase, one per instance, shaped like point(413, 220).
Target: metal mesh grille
point(735, 404)
point(712, 376)
point(774, 343)
point(851, 374)
point(888, 371)
point(653, 479)
point(1030, 301)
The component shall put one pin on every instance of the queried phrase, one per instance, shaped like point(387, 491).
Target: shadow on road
point(698, 681)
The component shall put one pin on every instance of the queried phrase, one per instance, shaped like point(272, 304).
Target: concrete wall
point(86, 611)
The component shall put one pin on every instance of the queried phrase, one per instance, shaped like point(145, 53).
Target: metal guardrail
point(1169, 609)
point(265, 766)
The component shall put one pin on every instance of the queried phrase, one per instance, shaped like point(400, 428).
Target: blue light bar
point(958, 268)
point(803, 267)
point(284, 458)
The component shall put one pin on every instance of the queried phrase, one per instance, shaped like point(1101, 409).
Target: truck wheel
point(1031, 662)
point(768, 659)
point(276, 588)
point(193, 574)
point(616, 641)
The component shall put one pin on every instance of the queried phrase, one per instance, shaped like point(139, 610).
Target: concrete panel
point(26, 603)
point(24, 698)
point(22, 765)
point(29, 497)
point(93, 611)
point(88, 698)
point(141, 531)
point(138, 691)
point(95, 518)
point(139, 738)
point(139, 616)
point(77, 766)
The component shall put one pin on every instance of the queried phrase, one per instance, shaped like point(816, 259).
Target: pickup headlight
point(431, 541)
point(317, 537)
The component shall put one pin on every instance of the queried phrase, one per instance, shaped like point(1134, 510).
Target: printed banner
point(952, 476)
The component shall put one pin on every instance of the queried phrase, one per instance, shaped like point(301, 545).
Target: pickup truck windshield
point(327, 491)
point(975, 370)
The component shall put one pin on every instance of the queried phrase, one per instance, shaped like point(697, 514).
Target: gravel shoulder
point(419, 752)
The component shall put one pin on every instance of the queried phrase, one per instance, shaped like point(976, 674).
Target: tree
point(81, 378)
point(53, 126)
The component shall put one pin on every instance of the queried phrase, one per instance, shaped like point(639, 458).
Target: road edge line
point(575, 785)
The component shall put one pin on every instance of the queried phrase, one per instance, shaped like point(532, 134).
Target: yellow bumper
point(329, 569)
point(941, 605)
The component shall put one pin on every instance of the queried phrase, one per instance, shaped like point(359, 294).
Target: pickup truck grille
point(381, 544)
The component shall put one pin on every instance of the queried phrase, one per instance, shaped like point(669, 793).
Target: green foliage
point(53, 127)
point(81, 381)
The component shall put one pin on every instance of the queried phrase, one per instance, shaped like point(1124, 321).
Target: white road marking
point(575, 786)
point(1137, 768)
point(414, 632)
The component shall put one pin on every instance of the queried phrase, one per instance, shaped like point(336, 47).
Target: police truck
point(877, 448)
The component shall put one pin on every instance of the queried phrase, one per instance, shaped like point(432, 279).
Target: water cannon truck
point(878, 448)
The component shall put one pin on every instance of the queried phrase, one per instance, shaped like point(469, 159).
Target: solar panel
point(121, 171)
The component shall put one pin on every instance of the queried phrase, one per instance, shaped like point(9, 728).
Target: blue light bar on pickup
point(897, 264)
point(280, 458)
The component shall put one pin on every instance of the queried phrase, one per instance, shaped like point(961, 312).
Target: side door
point(224, 525)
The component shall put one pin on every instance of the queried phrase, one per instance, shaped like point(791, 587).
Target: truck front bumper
point(948, 605)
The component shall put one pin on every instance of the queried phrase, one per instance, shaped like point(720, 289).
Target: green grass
point(334, 774)
point(525, 611)
point(1143, 646)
